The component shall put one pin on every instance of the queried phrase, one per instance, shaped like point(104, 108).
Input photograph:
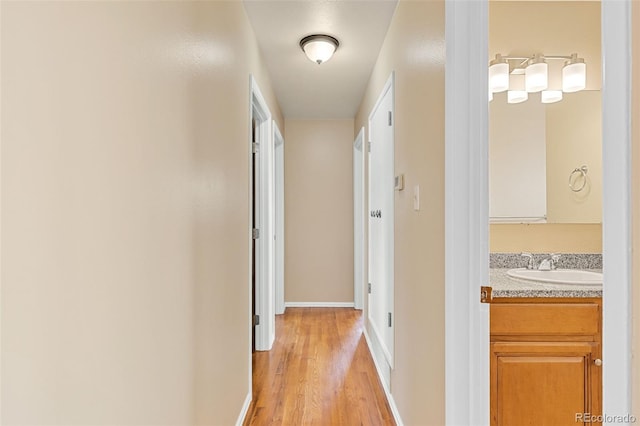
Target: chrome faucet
point(530, 263)
point(549, 262)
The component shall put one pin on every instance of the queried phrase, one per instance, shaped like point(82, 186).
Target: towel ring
point(583, 172)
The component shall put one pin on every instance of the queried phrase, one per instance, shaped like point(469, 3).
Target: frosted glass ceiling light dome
point(498, 74)
point(319, 47)
point(536, 74)
point(574, 74)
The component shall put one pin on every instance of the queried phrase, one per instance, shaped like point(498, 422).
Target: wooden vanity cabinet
point(545, 361)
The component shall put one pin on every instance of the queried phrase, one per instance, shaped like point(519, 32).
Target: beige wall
point(546, 238)
point(517, 160)
point(125, 296)
point(636, 209)
point(569, 27)
point(533, 148)
point(522, 28)
point(318, 210)
point(574, 138)
point(414, 48)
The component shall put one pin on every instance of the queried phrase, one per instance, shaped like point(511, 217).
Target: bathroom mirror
point(537, 150)
point(535, 147)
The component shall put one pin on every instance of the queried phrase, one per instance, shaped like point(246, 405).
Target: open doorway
point(467, 209)
point(545, 204)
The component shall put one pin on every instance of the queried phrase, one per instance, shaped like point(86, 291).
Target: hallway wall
point(318, 210)
point(415, 49)
point(125, 240)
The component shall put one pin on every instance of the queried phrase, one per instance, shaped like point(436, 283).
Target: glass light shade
point(574, 77)
point(490, 95)
point(498, 77)
point(517, 96)
point(319, 47)
point(536, 77)
point(550, 96)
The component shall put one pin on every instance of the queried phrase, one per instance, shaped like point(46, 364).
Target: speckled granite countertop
point(505, 286)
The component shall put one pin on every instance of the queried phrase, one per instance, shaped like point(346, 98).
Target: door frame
point(278, 158)
point(466, 213)
point(359, 265)
point(265, 331)
point(616, 200)
point(466, 210)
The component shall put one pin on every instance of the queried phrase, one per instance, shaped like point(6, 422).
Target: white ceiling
point(335, 88)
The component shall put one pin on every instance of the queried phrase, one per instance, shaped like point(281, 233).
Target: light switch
point(416, 197)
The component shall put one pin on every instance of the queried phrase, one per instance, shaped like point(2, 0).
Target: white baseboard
point(245, 409)
point(387, 392)
point(318, 305)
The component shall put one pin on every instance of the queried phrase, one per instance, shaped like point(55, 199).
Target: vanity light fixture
point(535, 71)
point(319, 47)
point(517, 92)
point(574, 74)
point(498, 74)
point(536, 74)
point(550, 96)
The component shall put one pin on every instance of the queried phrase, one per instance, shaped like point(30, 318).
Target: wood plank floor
point(319, 372)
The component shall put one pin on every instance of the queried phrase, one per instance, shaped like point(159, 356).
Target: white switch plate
point(416, 197)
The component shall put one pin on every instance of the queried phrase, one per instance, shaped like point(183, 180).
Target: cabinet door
point(541, 383)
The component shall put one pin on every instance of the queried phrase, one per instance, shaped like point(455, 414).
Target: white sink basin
point(558, 276)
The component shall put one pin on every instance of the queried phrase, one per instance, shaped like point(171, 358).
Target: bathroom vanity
point(545, 356)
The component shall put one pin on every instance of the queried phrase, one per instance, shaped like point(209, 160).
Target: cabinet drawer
point(545, 319)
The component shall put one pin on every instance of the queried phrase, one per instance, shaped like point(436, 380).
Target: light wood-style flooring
point(319, 372)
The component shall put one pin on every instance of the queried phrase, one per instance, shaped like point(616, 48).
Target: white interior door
point(358, 220)
point(381, 221)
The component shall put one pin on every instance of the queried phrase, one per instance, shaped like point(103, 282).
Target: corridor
point(319, 372)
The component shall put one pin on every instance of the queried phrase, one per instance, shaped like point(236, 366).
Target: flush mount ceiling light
point(536, 76)
point(319, 47)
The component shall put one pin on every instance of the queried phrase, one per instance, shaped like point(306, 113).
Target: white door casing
point(358, 220)
point(616, 213)
point(466, 213)
point(381, 221)
point(279, 219)
point(265, 271)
